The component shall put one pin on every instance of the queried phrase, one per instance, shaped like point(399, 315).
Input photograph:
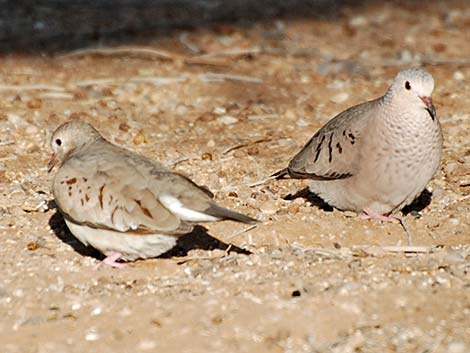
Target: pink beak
point(426, 100)
point(52, 162)
point(429, 106)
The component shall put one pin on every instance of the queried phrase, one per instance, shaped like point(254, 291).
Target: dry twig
point(246, 144)
point(38, 87)
point(143, 53)
point(218, 77)
point(241, 231)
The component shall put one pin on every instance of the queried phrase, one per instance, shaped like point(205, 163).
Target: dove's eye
point(407, 85)
point(58, 142)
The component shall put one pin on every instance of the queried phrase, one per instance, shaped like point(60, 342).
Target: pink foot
point(111, 260)
point(370, 214)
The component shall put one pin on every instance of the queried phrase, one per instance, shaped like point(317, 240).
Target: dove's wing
point(108, 187)
point(333, 152)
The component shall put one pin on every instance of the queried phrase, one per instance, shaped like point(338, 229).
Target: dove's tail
point(224, 213)
point(283, 173)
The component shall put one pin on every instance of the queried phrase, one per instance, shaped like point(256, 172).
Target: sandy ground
point(316, 280)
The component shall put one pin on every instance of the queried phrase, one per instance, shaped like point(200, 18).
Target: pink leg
point(111, 260)
point(370, 214)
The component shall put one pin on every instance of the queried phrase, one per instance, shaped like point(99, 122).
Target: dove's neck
point(83, 148)
point(402, 111)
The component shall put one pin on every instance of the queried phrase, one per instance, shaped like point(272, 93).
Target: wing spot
point(330, 149)
point(71, 181)
point(85, 179)
point(144, 209)
point(81, 201)
point(111, 198)
point(112, 214)
point(318, 149)
point(87, 198)
point(100, 196)
point(340, 149)
point(352, 138)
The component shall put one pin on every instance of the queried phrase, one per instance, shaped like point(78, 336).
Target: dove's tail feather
point(283, 173)
point(224, 213)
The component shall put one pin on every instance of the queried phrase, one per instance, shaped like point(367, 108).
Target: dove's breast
point(400, 157)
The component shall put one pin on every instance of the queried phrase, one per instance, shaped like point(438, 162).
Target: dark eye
point(58, 142)
point(407, 85)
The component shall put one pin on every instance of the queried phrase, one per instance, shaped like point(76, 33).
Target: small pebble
point(269, 207)
point(96, 311)
point(227, 120)
point(147, 345)
point(340, 97)
point(301, 122)
point(220, 110)
point(139, 138)
point(358, 21)
point(457, 347)
point(458, 76)
point(92, 336)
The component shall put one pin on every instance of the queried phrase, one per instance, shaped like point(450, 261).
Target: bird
point(123, 204)
point(376, 157)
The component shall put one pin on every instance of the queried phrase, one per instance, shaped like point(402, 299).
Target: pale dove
point(377, 157)
point(123, 204)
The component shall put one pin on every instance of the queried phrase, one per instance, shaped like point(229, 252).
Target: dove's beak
point(426, 100)
point(429, 106)
point(52, 162)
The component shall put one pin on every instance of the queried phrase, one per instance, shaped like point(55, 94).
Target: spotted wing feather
point(333, 152)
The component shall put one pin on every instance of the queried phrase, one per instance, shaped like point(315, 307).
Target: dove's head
point(413, 87)
point(69, 137)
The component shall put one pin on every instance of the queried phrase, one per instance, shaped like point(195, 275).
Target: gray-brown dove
point(377, 157)
point(123, 204)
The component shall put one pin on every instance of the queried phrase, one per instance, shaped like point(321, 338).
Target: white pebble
point(301, 122)
point(358, 21)
point(96, 311)
point(340, 97)
point(227, 120)
point(456, 347)
point(19, 293)
point(92, 336)
point(76, 306)
point(459, 76)
point(220, 110)
point(147, 345)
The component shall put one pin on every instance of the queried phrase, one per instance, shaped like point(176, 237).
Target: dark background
point(55, 25)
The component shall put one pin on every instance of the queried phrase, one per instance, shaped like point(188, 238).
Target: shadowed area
point(309, 196)
point(420, 203)
point(55, 25)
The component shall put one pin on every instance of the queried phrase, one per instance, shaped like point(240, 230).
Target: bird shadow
point(60, 229)
point(199, 238)
point(309, 196)
point(420, 203)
